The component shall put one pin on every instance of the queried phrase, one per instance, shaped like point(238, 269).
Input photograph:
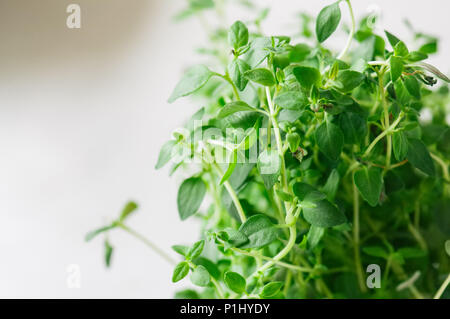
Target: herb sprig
point(315, 164)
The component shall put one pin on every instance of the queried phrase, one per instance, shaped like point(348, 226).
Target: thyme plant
point(313, 169)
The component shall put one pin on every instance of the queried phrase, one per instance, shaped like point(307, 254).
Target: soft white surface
point(82, 116)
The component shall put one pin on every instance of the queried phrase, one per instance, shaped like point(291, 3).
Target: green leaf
point(447, 247)
point(233, 107)
point(269, 166)
point(396, 64)
point(294, 100)
point(393, 40)
point(238, 35)
point(258, 51)
point(165, 154)
point(89, 236)
point(415, 56)
point(330, 140)
point(240, 174)
point(180, 249)
point(271, 289)
point(369, 182)
point(187, 294)
point(235, 282)
point(129, 208)
point(401, 93)
point(193, 79)
point(376, 251)
point(196, 250)
point(354, 127)
point(236, 69)
point(231, 167)
point(108, 253)
point(419, 156)
point(236, 238)
point(400, 49)
point(293, 140)
point(400, 145)
point(259, 230)
point(260, 76)
point(328, 21)
point(307, 76)
point(299, 52)
point(284, 196)
point(324, 214)
point(190, 196)
point(243, 120)
point(331, 186)
point(315, 234)
point(210, 266)
point(200, 276)
point(350, 79)
point(393, 182)
point(180, 271)
point(429, 48)
point(413, 86)
point(411, 252)
point(308, 193)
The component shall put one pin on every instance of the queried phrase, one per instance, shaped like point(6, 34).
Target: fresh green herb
point(310, 165)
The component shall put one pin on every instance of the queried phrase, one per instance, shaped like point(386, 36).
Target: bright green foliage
point(200, 276)
point(269, 165)
point(259, 230)
point(307, 76)
point(419, 156)
point(237, 68)
point(260, 76)
point(196, 250)
point(328, 21)
point(235, 282)
point(271, 289)
point(129, 208)
point(233, 107)
point(396, 65)
point(193, 79)
point(400, 145)
point(369, 182)
point(238, 35)
point(330, 139)
point(180, 271)
point(108, 253)
point(190, 196)
point(311, 164)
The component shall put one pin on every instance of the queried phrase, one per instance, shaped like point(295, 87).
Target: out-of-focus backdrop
point(83, 114)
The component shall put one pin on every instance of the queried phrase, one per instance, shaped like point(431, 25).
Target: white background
point(83, 114)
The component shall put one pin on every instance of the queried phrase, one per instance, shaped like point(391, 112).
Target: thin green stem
point(352, 32)
point(147, 242)
point(387, 127)
point(290, 244)
point(417, 236)
point(387, 132)
point(287, 282)
point(232, 194)
point(277, 262)
point(443, 165)
point(226, 77)
point(276, 130)
point(356, 252)
point(442, 288)
point(236, 201)
point(218, 288)
point(283, 252)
